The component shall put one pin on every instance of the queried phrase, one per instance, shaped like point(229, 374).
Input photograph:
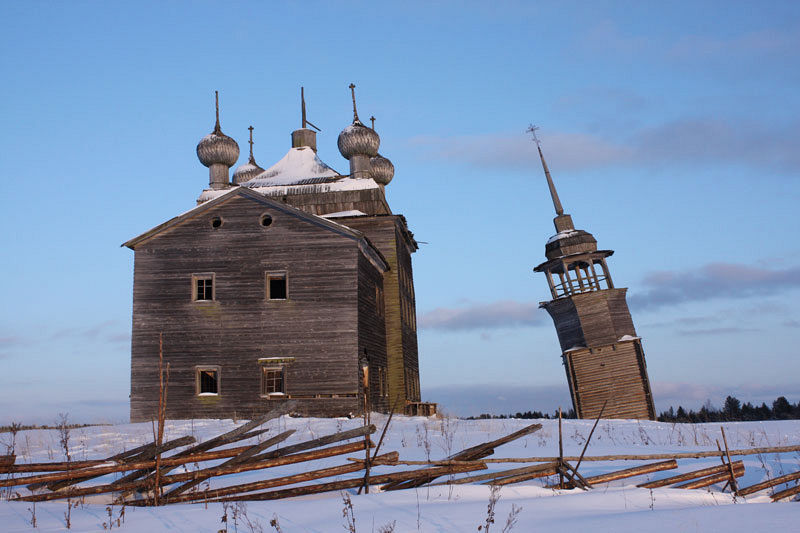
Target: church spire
point(252, 160)
point(353, 95)
point(304, 137)
point(217, 128)
point(562, 222)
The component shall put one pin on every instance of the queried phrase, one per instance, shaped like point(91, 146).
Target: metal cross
point(532, 130)
point(353, 94)
point(251, 140)
point(373, 122)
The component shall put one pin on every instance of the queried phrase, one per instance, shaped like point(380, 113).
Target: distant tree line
point(527, 415)
point(733, 410)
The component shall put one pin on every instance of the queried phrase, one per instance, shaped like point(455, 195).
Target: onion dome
point(357, 139)
point(217, 148)
point(381, 169)
point(250, 169)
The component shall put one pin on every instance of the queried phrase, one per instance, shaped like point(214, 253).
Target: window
point(273, 376)
point(383, 385)
point(207, 380)
point(203, 287)
point(277, 286)
point(271, 380)
point(380, 303)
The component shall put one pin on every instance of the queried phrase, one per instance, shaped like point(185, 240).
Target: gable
point(251, 207)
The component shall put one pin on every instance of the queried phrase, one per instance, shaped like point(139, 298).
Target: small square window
point(277, 286)
point(207, 380)
point(271, 380)
point(203, 287)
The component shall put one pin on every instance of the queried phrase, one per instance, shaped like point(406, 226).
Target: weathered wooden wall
point(317, 325)
point(591, 318)
point(614, 372)
point(390, 235)
point(370, 201)
point(372, 330)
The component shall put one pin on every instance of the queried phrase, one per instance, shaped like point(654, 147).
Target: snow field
point(618, 506)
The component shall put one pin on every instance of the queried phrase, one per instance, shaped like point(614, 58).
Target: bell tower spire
point(602, 355)
point(562, 222)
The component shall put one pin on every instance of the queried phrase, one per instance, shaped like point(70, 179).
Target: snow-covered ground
point(619, 506)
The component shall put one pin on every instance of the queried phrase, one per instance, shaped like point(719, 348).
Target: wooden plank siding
point(369, 201)
point(319, 326)
point(614, 372)
point(598, 365)
point(372, 331)
point(390, 235)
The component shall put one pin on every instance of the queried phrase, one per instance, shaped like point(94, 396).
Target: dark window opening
point(271, 380)
point(207, 381)
point(276, 286)
point(216, 222)
point(266, 220)
point(204, 289)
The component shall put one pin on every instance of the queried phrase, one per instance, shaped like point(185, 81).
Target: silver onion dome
point(217, 148)
point(250, 169)
point(246, 172)
point(381, 169)
point(358, 139)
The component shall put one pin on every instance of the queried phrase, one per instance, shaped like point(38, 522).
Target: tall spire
point(553, 193)
point(217, 129)
point(303, 106)
point(353, 95)
point(251, 144)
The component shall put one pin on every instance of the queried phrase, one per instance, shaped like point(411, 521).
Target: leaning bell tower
point(602, 355)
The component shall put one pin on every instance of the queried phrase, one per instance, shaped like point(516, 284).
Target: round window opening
point(216, 222)
point(266, 220)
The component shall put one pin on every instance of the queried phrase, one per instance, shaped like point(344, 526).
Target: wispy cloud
point(716, 331)
point(107, 331)
point(714, 280)
point(754, 43)
point(791, 323)
point(502, 314)
point(689, 141)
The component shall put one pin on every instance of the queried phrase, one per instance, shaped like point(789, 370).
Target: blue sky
point(670, 129)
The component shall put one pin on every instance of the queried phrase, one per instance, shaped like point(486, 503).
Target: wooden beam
point(469, 454)
point(281, 481)
point(544, 469)
point(243, 457)
point(631, 472)
point(353, 483)
point(769, 483)
point(650, 457)
point(689, 475)
point(786, 493)
point(710, 480)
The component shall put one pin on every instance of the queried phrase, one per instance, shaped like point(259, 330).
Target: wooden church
point(602, 355)
point(293, 282)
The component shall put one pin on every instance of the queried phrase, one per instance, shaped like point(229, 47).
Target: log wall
point(316, 327)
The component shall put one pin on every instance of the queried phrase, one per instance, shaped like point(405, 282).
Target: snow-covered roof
point(350, 213)
point(563, 235)
point(298, 166)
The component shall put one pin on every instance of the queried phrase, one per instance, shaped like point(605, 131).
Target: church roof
point(299, 166)
point(364, 245)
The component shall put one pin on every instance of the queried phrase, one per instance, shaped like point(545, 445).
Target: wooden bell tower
point(602, 355)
